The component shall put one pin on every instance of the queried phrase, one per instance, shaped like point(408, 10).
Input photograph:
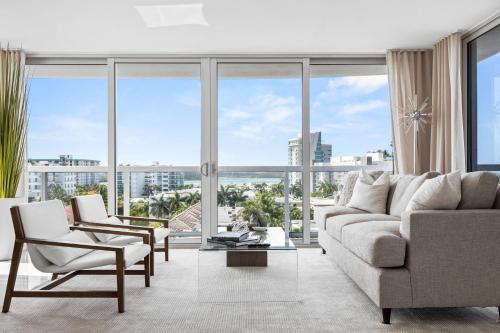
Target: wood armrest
point(102, 247)
point(119, 226)
point(145, 236)
point(144, 219)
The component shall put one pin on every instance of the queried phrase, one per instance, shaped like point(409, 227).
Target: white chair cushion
point(45, 220)
point(107, 237)
point(91, 207)
point(160, 235)
point(442, 192)
point(61, 256)
point(95, 259)
point(370, 195)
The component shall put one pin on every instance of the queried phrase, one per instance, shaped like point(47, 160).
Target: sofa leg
point(386, 315)
point(323, 251)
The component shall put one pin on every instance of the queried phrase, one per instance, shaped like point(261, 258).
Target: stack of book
point(234, 238)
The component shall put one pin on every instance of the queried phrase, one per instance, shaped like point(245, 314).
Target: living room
point(237, 166)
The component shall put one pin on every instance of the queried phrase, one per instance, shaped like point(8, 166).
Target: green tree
point(265, 203)
point(296, 190)
point(150, 189)
point(278, 190)
point(295, 213)
point(159, 206)
point(327, 189)
point(56, 191)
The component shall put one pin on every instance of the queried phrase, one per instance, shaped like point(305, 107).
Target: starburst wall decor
point(415, 116)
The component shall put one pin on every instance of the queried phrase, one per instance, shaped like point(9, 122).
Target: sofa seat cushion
point(323, 212)
point(335, 224)
point(376, 242)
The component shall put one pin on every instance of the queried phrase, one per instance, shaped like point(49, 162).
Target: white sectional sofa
point(415, 259)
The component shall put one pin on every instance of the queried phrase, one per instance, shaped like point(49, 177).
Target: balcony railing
point(125, 172)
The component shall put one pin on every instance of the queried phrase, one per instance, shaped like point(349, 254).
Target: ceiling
point(106, 27)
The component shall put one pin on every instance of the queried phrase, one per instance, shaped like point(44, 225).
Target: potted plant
point(13, 127)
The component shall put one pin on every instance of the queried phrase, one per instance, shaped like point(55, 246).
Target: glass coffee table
point(245, 274)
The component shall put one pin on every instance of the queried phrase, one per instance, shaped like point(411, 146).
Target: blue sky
point(159, 120)
point(488, 106)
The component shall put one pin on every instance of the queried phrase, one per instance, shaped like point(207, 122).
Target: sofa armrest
point(453, 257)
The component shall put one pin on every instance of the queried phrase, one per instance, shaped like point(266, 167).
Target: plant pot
point(7, 236)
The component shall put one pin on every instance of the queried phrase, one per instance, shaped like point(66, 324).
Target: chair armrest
point(145, 236)
point(144, 219)
point(453, 256)
point(118, 226)
point(102, 247)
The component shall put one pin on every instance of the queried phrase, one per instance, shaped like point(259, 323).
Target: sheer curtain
point(447, 138)
point(410, 73)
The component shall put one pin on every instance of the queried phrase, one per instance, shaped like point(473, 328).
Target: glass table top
point(275, 236)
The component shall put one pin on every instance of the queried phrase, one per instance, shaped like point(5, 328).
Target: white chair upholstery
point(45, 220)
point(160, 234)
point(91, 207)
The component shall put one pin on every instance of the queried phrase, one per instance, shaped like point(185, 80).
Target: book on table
point(229, 243)
point(232, 236)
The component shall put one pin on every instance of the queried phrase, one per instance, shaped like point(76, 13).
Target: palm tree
point(327, 189)
point(192, 198)
point(278, 189)
point(159, 206)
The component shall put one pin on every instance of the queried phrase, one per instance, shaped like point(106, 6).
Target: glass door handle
point(204, 169)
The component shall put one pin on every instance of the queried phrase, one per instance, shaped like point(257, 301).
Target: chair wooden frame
point(78, 220)
point(45, 290)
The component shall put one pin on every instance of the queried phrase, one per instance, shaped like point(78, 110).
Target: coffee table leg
point(246, 258)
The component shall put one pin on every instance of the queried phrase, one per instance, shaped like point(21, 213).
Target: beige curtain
point(410, 73)
point(447, 138)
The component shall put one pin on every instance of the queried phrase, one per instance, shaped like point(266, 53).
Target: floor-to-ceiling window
point(67, 131)
point(147, 133)
point(484, 101)
point(158, 143)
point(259, 120)
point(350, 126)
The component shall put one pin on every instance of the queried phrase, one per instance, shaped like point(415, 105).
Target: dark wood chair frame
point(44, 290)
point(78, 220)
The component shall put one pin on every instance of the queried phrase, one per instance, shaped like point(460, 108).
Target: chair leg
point(147, 267)
point(11, 282)
point(120, 281)
point(152, 259)
point(166, 248)
point(386, 315)
point(323, 251)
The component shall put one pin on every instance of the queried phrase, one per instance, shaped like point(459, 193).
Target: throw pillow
point(478, 190)
point(370, 195)
point(348, 183)
point(441, 192)
point(405, 189)
point(60, 256)
point(107, 237)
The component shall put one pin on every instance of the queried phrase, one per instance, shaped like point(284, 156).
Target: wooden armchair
point(67, 251)
point(90, 210)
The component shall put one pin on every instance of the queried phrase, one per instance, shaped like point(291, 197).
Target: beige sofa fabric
point(453, 257)
point(376, 242)
point(335, 224)
point(497, 199)
point(442, 192)
point(478, 190)
point(322, 213)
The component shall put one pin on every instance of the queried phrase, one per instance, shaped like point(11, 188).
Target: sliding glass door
point(158, 143)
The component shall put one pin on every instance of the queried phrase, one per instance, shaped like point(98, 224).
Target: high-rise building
point(161, 181)
point(320, 153)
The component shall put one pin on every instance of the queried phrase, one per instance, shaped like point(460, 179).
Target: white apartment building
point(165, 181)
point(67, 180)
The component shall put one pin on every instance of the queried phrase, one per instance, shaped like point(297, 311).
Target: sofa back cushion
point(370, 195)
point(406, 187)
point(442, 192)
point(479, 190)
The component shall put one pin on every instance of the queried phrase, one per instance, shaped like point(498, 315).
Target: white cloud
point(364, 107)
point(262, 117)
point(353, 85)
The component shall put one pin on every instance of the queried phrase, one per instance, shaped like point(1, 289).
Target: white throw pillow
point(442, 192)
point(60, 256)
point(370, 195)
point(107, 237)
